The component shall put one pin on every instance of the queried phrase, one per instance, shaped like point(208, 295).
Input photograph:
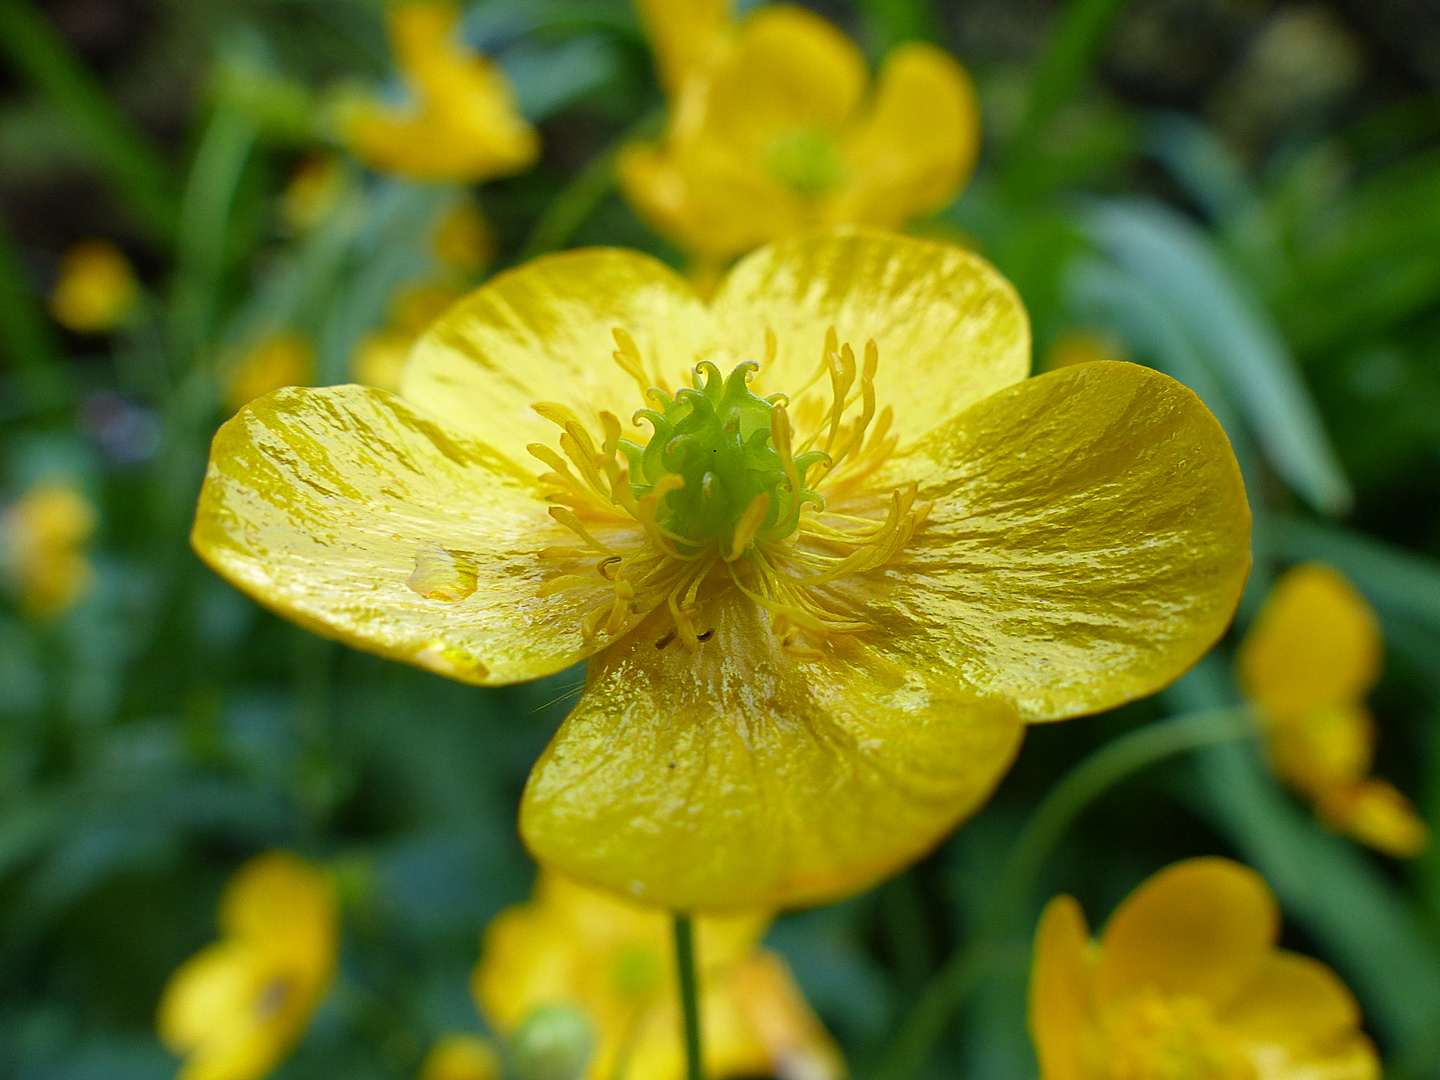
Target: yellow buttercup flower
point(235, 1009)
point(1307, 664)
point(380, 357)
point(461, 1057)
point(283, 359)
point(462, 123)
point(1185, 983)
point(773, 129)
point(95, 289)
point(614, 962)
point(43, 537)
point(821, 588)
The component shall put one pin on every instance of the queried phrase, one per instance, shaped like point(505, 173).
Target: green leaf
point(1399, 583)
point(1180, 268)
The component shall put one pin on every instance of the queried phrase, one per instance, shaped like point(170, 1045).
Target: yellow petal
point(1374, 813)
point(461, 1057)
point(914, 151)
point(683, 34)
point(464, 124)
point(210, 987)
point(950, 330)
point(350, 514)
point(1087, 543)
point(1316, 642)
point(279, 897)
point(1201, 927)
point(1062, 991)
point(207, 1015)
point(795, 1043)
point(706, 201)
point(1293, 1002)
point(787, 70)
point(544, 333)
point(1325, 748)
point(798, 782)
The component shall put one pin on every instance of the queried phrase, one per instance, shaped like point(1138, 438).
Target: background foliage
point(1242, 193)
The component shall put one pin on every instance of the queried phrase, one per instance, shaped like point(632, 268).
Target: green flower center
point(720, 495)
point(713, 455)
point(808, 160)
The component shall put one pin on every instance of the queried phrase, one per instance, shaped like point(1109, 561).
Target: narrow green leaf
point(136, 166)
point(1181, 269)
point(1398, 582)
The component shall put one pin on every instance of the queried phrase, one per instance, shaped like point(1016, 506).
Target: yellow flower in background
point(235, 1009)
point(819, 600)
point(380, 357)
point(43, 537)
point(615, 962)
point(774, 128)
point(95, 289)
point(1185, 983)
point(462, 122)
point(283, 359)
point(1307, 664)
point(461, 1057)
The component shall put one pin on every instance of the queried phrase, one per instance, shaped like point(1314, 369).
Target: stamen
point(749, 525)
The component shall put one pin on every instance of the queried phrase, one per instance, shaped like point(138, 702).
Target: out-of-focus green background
point(1242, 193)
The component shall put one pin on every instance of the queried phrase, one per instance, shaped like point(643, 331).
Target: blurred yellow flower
point(462, 123)
point(461, 1057)
point(773, 129)
point(380, 357)
point(236, 1008)
point(313, 192)
point(1186, 983)
point(95, 289)
point(817, 620)
point(614, 961)
point(1307, 664)
point(43, 537)
point(283, 359)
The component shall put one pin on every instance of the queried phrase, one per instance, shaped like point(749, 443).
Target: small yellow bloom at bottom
point(614, 962)
point(1185, 983)
point(96, 288)
point(286, 359)
point(42, 546)
point(1307, 663)
point(235, 1009)
point(461, 1057)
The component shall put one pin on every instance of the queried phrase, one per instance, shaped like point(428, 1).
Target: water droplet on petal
point(441, 574)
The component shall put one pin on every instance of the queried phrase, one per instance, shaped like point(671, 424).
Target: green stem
point(210, 191)
point(689, 994)
point(34, 48)
point(1113, 762)
point(585, 191)
point(25, 336)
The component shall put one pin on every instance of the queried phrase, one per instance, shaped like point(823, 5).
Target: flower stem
point(1113, 762)
point(689, 994)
